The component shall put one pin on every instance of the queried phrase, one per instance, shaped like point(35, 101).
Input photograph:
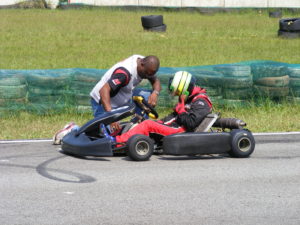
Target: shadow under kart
point(214, 135)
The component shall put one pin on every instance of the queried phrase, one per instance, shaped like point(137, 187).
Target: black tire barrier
point(268, 69)
point(275, 14)
point(9, 102)
point(238, 93)
point(233, 82)
point(38, 91)
point(43, 80)
point(208, 78)
point(83, 100)
point(289, 34)
point(295, 82)
point(13, 92)
point(294, 72)
point(212, 91)
point(50, 99)
point(272, 92)
point(289, 24)
point(233, 103)
point(234, 70)
point(295, 91)
point(161, 28)
point(152, 21)
point(13, 80)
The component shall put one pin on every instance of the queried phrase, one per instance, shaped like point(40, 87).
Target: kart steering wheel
point(144, 105)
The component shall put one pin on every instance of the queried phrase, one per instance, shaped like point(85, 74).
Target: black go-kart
point(214, 135)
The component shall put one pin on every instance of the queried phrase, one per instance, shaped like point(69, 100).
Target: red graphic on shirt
point(116, 81)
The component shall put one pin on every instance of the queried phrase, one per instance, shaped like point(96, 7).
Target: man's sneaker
point(104, 133)
point(63, 132)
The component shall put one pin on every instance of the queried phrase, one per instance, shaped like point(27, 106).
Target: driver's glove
point(179, 108)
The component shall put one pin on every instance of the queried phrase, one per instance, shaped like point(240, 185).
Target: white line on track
point(24, 141)
point(276, 133)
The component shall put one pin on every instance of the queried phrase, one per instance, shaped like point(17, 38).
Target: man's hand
point(152, 100)
point(114, 127)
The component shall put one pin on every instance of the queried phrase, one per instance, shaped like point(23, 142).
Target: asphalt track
point(41, 185)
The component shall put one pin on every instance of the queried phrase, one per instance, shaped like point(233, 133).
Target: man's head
point(182, 83)
point(148, 66)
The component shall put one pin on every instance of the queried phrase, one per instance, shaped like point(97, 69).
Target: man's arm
point(119, 78)
point(105, 97)
point(156, 86)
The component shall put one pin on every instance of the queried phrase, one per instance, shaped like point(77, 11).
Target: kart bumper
point(82, 145)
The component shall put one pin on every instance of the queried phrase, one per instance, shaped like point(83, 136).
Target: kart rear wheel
point(242, 143)
point(140, 147)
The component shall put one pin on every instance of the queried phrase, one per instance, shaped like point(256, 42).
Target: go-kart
point(214, 135)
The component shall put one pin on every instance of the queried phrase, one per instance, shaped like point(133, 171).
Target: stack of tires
point(13, 92)
point(212, 82)
point(236, 84)
point(270, 81)
point(81, 86)
point(48, 92)
point(153, 23)
point(289, 28)
point(294, 73)
point(275, 14)
point(165, 101)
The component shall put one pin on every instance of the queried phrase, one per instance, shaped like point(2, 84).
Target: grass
point(98, 38)
point(46, 39)
point(265, 116)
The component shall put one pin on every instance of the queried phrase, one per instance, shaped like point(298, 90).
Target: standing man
point(115, 89)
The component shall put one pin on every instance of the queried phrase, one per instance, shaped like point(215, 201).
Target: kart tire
point(234, 70)
point(242, 143)
point(268, 69)
point(234, 82)
point(266, 91)
point(273, 81)
point(233, 103)
point(152, 21)
point(295, 82)
point(294, 72)
point(209, 78)
point(140, 147)
point(237, 93)
point(295, 91)
point(212, 91)
point(49, 80)
point(13, 92)
point(12, 80)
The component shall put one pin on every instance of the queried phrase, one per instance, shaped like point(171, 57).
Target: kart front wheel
point(140, 147)
point(242, 143)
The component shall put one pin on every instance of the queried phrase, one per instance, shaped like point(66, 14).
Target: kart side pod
point(197, 143)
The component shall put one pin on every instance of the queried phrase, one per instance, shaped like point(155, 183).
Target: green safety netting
point(45, 91)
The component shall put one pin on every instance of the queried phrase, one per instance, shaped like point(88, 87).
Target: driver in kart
point(192, 107)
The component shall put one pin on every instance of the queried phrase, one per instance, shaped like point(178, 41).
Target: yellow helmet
point(182, 83)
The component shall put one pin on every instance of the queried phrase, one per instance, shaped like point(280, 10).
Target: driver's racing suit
point(186, 117)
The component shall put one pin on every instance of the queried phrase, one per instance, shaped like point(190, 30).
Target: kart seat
point(207, 122)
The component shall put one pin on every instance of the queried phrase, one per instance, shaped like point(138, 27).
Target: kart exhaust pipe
point(230, 123)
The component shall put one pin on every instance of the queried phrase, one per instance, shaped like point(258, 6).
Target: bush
point(32, 4)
